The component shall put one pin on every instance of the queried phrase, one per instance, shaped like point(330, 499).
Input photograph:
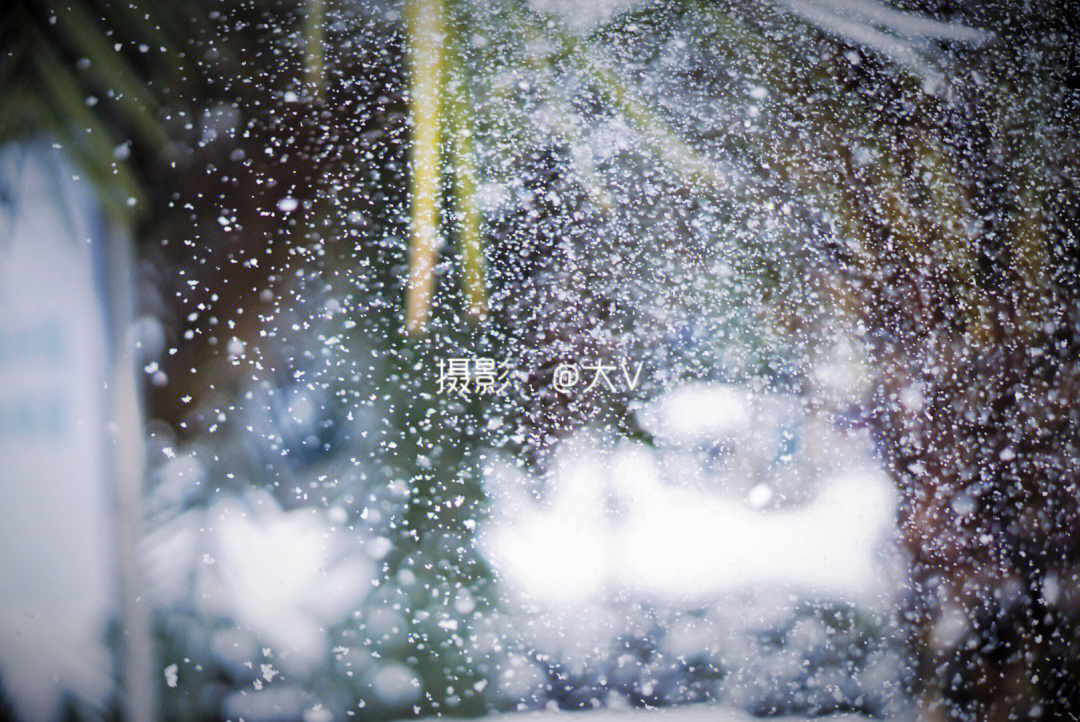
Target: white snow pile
point(686, 713)
point(283, 578)
point(613, 520)
point(699, 411)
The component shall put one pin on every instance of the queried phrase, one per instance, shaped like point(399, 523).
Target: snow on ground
point(581, 17)
point(612, 521)
point(669, 541)
point(745, 553)
point(688, 713)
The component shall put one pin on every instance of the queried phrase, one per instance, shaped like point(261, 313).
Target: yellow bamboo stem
point(426, 34)
point(314, 60)
point(469, 221)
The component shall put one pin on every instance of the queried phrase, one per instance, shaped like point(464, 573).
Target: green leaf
point(109, 70)
point(86, 135)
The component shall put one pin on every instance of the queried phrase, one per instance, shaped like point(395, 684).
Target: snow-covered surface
point(698, 411)
point(673, 542)
point(611, 521)
point(284, 577)
point(688, 713)
point(582, 16)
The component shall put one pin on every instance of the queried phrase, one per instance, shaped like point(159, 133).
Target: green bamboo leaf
point(86, 135)
point(14, 44)
point(10, 76)
point(16, 113)
point(109, 69)
point(113, 189)
point(142, 26)
point(314, 51)
point(664, 140)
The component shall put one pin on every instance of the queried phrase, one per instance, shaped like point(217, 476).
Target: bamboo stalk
point(425, 37)
point(314, 57)
point(469, 220)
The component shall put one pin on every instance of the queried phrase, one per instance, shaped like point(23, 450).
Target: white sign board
point(57, 584)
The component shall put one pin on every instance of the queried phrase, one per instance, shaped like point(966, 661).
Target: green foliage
point(91, 74)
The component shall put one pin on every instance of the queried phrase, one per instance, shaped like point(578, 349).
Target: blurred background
point(450, 358)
